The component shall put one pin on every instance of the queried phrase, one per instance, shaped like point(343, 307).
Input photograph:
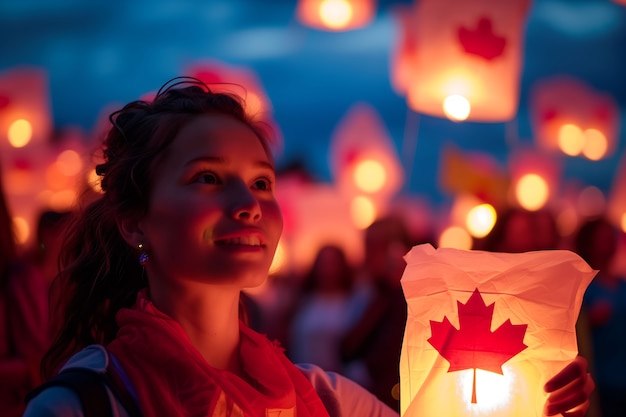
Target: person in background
point(23, 319)
point(519, 230)
point(604, 305)
point(323, 311)
point(152, 273)
point(371, 347)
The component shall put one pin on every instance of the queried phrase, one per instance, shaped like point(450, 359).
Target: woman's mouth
point(240, 241)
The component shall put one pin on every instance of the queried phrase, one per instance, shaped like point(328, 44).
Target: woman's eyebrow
point(219, 160)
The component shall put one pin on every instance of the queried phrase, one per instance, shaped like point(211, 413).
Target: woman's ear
point(130, 229)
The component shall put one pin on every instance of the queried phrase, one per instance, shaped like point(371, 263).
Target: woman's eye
point(263, 184)
point(207, 178)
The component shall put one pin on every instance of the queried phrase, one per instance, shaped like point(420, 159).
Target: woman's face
point(213, 216)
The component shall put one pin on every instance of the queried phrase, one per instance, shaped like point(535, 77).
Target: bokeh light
point(596, 145)
point(94, 181)
point(254, 104)
point(55, 177)
point(362, 211)
point(532, 192)
point(69, 162)
point(455, 237)
point(20, 133)
point(62, 200)
point(279, 260)
point(571, 139)
point(335, 14)
point(22, 229)
point(370, 176)
point(480, 220)
point(456, 107)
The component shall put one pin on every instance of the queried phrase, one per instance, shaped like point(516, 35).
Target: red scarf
point(172, 378)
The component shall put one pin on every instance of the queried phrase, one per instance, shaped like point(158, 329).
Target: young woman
point(152, 273)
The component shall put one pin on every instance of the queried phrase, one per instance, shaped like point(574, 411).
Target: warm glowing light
point(455, 237)
point(532, 192)
point(493, 390)
point(571, 139)
point(362, 212)
point(461, 206)
point(480, 220)
point(55, 178)
point(335, 13)
point(62, 200)
point(69, 162)
point(456, 107)
point(94, 181)
point(280, 259)
point(591, 201)
point(254, 104)
point(22, 230)
point(19, 181)
point(623, 222)
point(596, 145)
point(370, 176)
point(20, 132)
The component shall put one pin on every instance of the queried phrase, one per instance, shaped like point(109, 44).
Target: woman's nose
point(244, 204)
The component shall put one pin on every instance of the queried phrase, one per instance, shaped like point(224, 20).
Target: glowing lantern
point(404, 50)
point(534, 178)
point(482, 334)
point(315, 214)
point(466, 58)
point(25, 127)
point(363, 159)
point(25, 108)
point(571, 117)
point(336, 15)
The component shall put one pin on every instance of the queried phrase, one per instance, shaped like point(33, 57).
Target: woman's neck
point(209, 315)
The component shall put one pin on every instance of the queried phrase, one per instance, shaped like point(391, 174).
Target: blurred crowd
point(346, 317)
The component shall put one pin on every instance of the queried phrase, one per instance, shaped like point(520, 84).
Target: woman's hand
point(570, 390)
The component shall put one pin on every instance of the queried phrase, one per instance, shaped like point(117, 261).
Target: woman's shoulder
point(55, 401)
point(342, 396)
point(62, 400)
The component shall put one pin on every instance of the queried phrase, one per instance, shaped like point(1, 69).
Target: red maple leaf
point(482, 41)
point(474, 345)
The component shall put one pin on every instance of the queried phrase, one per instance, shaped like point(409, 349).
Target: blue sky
point(101, 52)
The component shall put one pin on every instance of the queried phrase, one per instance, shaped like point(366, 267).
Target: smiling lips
point(240, 241)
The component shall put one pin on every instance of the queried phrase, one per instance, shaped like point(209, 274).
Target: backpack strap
point(91, 388)
point(87, 384)
point(120, 390)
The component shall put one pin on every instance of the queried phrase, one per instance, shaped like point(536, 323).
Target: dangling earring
point(143, 256)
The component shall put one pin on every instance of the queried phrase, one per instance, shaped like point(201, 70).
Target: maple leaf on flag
point(482, 41)
point(474, 345)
